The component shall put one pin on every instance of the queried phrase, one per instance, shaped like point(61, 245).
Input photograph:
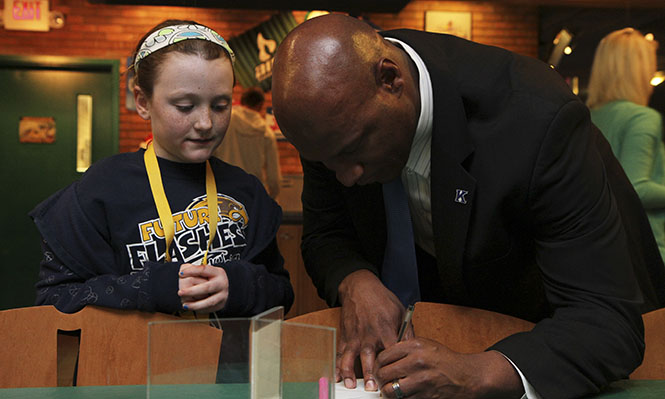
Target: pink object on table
point(323, 388)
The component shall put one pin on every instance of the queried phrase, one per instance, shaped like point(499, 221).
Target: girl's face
point(190, 107)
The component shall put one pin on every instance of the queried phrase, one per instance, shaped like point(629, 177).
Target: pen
point(405, 323)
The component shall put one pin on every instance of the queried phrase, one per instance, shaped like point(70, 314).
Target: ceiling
point(361, 6)
point(388, 6)
point(590, 3)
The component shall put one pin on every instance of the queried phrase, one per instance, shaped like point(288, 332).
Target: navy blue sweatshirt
point(103, 243)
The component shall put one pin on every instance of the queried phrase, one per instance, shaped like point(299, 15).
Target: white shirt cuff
point(529, 392)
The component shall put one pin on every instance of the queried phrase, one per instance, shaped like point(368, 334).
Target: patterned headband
point(175, 33)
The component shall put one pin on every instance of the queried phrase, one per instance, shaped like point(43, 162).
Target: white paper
point(341, 392)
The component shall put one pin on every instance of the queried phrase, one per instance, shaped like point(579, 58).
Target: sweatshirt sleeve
point(258, 284)
point(79, 266)
point(154, 289)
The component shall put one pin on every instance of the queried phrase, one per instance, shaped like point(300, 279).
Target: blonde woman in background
point(619, 90)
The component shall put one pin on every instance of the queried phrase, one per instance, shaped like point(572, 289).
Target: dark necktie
point(400, 271)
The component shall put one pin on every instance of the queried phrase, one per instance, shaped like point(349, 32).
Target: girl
point(135, 232)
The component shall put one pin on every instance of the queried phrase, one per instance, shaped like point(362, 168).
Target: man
point(517, 203)
point(250, 144)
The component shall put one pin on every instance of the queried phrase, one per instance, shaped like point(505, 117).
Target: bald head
point(322, 49)
point(322, 65)
point(335, 81)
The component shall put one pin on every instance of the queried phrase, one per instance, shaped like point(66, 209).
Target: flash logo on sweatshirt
point(192, 233)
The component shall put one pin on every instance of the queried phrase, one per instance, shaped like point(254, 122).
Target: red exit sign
point(26, 15)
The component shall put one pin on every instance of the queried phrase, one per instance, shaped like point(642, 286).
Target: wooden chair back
point(305, 351)
point(95, 346)
point(653, 365)
point(469, 330)
point(464, 329)
point(460, 328)
point(329, 317)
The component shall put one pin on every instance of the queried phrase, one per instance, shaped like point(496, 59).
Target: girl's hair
point(624, 63)
point(146, 74)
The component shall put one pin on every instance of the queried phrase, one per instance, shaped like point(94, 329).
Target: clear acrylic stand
point(263, 357)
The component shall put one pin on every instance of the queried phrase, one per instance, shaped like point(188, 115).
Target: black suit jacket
point(552, 230)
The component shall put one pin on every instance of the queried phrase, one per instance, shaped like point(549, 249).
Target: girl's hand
point(203, 288)
point(187, 282)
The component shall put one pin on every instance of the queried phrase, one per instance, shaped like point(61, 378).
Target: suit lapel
point(453, 188)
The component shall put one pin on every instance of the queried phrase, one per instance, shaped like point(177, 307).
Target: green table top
point(635, 389)
point(626, 389)
point(202, 391)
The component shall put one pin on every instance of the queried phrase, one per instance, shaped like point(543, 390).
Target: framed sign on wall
point(452, 23)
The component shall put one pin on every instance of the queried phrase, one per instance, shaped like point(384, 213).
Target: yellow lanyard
point(163, 208)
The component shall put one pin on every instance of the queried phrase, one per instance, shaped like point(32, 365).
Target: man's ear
point(389, 76)
point(142, 103)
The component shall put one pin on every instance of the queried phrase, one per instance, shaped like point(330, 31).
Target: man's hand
point(203, 288)
point(371, 316)
point(426, 369)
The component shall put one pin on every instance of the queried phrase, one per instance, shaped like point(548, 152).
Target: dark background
point(589, 26)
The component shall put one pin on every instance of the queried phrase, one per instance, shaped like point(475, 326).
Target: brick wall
point(512, 27)
point(111, 31)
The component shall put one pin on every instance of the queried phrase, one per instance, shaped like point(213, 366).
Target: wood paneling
point(306, 298)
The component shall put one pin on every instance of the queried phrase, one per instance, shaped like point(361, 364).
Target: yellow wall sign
point(35, 129)
point(26, 15)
